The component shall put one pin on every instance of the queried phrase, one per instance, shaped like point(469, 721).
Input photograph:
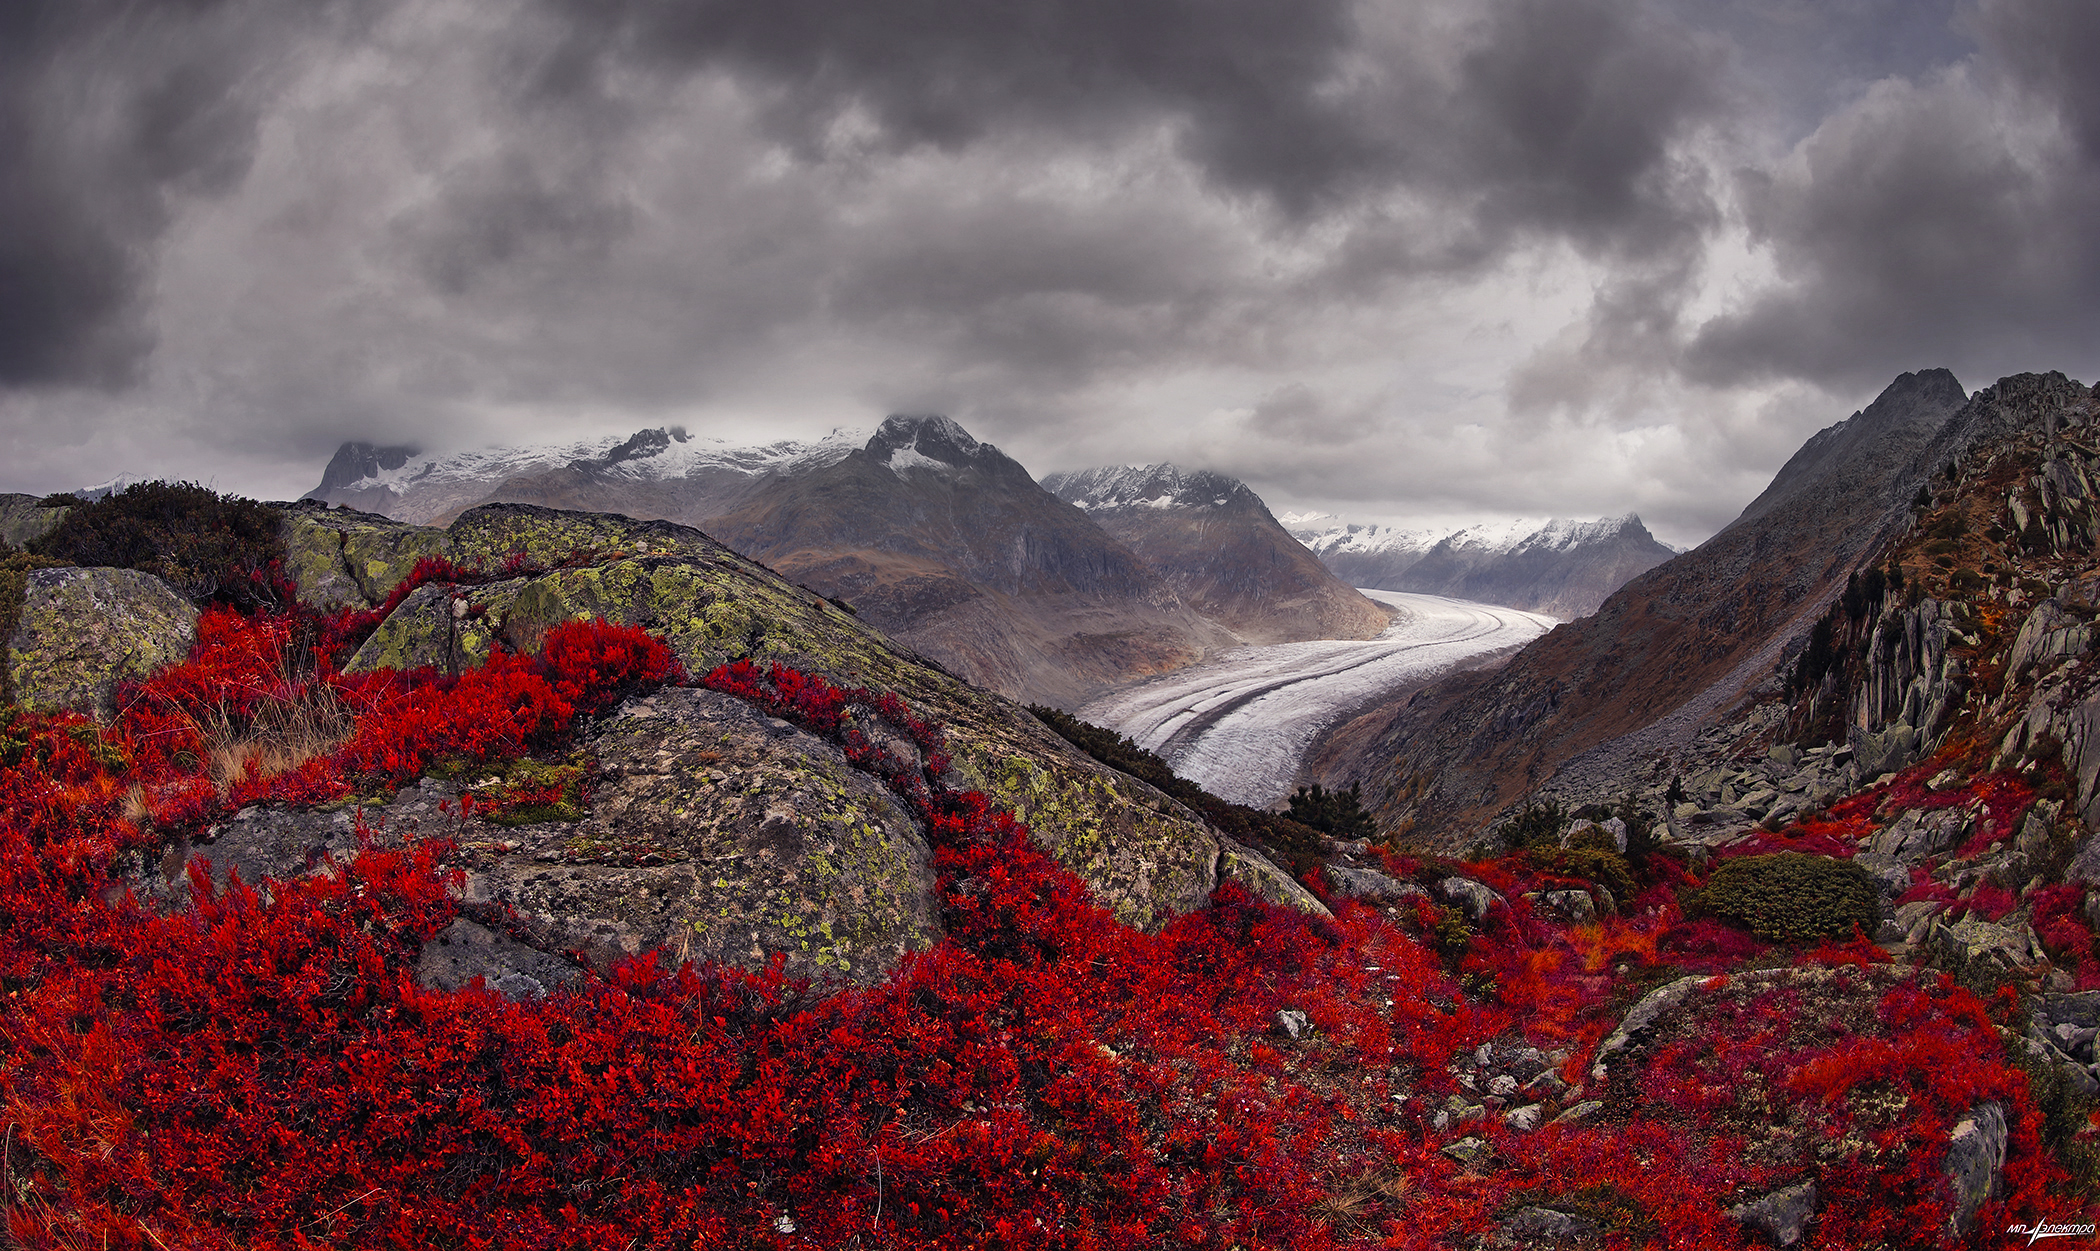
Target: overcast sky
point(1438, 260)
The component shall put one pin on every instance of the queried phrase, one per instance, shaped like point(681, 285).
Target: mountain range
point(943, 542)
point(1560, 567)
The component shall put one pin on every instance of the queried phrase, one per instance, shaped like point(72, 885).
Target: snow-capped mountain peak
point(1560, 566)
point(925, 442)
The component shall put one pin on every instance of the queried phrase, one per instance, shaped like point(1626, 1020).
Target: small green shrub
point(1790, 896)
point(210, 547)
point(1602, 865)
point(530, 792)
point(1536, 824)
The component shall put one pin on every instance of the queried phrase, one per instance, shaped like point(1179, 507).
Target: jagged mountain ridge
point(1666, 653)
point(660, 474)
point(1561, 567)
point(1214, 542)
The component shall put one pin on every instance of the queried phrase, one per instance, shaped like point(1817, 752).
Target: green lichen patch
point(346, 559)
point(82, 631)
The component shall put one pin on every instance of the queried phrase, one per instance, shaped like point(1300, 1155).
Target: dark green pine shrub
point(1338, 813)
point(210, 547)
point(1602, 865)
point(1536, 824)
point(1790, 896)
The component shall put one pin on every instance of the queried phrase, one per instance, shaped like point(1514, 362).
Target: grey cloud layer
point(1480, 255)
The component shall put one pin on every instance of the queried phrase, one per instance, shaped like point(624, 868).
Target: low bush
point(210, 547)
point(1536, 824)
point(1790, 896)
point(1336, 813)
point(1605, 867)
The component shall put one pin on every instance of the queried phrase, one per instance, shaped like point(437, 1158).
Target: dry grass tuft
point(1350, 1207)
point(279, 736)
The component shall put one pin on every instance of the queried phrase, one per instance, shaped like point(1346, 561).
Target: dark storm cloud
point(109, 110)
point(1524, 114)
point(1474, 250)
point(1940, 221)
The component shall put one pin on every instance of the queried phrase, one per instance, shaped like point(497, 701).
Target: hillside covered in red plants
point(1445, 1060)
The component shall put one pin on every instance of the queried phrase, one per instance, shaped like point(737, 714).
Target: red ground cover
point(263, 1071)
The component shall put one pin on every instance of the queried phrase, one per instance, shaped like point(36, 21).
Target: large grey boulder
point(2047, 638)
point(342, 558)
point(1476, 899)
point(1886, 750)
point(84, 630)
point(718, 833)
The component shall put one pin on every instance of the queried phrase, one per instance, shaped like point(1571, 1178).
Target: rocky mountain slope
point(1215, 544)
point(1563, 568)
point(949, 546)
point(510, 950)
point(1670, 651)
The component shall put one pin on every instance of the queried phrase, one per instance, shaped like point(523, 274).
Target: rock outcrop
point(1147, 858)
point(83, 631)
point(25, 517)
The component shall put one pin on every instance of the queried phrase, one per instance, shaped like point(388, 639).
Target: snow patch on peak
point(1143, 486)
point(925, 442)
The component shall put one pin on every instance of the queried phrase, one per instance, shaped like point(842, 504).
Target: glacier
point(1240, 725)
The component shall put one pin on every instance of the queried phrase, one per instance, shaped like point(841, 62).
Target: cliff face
point(1669, 651)
point(1213, 543)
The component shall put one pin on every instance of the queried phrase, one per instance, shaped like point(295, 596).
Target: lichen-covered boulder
point(342, 558)
point(84, 630)
point(440, 626)
point(720, 833)
point(1146, 857)
point(24, 517)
